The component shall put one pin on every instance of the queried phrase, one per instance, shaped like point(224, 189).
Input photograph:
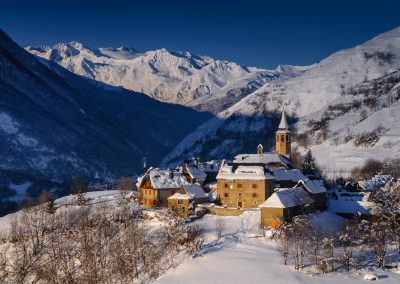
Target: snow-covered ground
point(338, 79)
point(242, 255)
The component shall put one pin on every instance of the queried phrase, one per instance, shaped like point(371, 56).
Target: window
point(180, 201)
point(255, 194)
point(282, 138)
point(254, 185)
point(226, 185)
point(240, 194)
point(183, 209)
point(239, 185)
point(226, 194)
point(145, 201)
point(287, 138)
point(154, 202)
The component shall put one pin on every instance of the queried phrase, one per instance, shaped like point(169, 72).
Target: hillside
point(181, 78)
point(55, 125)
point(331, 104)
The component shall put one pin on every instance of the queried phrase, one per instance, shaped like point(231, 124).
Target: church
point(248, 180)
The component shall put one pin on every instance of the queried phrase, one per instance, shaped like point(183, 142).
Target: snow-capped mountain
point(57, 125)
point(181, 78)
point(333, 104)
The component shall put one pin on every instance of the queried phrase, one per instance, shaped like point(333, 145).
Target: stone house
point(243, 186)
point(184, 204)
point(157, 185)
point(283, 205)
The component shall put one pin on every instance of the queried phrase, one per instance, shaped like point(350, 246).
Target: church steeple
point(283, 125)
point(283, 137)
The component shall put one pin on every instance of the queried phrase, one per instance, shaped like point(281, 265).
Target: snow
point(375, 182)
point(194, 190)
point(264, 158)
point(180, 196)
point(370, 276)
point(241, 255)
point(242, 172)
point(286, 198)
point(173, 77)
point(7, 124)
point(307, 97)
point(196, 172)
point(167, 178)
point(351, 203)
point(20, 190)
point(283, 174)
point(313, 186)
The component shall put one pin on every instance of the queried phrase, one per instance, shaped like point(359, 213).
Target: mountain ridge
point(200, 82)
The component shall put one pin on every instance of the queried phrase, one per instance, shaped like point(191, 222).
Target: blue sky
point(253, 33)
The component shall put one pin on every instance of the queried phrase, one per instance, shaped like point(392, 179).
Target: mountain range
point(196, 81)
point(56, 125)
point(69, 109)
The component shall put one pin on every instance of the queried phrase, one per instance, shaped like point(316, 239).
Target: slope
point(308, 99)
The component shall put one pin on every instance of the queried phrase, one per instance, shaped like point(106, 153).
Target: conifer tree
point(80, 199)
point(50, 205)
point(309, 166)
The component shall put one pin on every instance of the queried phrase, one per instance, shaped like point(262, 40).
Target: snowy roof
point(351, 203)
point(194, 190)
point(265, 158)
point(196, 172)
point(243, 172)
point(211, 166)
point(375, 183)
point(283, 124)
point(180, 196)
point(286, 198)
point(313, 186)
point(164, 179)
point(283, 174)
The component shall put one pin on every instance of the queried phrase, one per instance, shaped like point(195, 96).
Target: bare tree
point(220, 226)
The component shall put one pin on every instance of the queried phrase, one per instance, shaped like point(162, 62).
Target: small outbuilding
point(183, 203)
point(283, 205)
point(316, 190)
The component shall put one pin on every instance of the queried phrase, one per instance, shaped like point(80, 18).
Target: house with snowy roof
point(374, 183)
point(201, 172)
point(182, 203)
point(283, 205)
point(158, 184)
point(316, 190)
point(243, 186)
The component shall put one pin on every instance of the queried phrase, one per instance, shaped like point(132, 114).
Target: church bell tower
point(283, 138)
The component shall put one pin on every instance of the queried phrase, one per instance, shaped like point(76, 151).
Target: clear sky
point(252, 33)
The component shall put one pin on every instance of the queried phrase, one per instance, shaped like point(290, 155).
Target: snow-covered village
point(148, 164)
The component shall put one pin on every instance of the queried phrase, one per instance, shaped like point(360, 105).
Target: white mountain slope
point(174, 77)
point(333, 103)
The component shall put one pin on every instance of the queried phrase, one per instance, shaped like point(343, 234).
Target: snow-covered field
point(243, 255)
